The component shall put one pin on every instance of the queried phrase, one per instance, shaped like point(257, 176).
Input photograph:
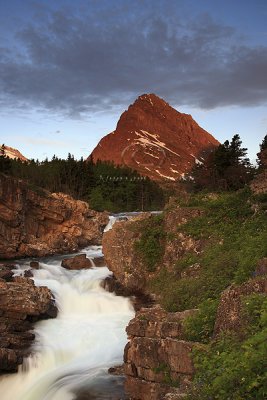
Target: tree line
point(225, 168)
point(103, 185)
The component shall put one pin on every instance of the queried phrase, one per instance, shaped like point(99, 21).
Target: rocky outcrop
point(229, 315)
point(78, 262)
point(35, 223)
point(157, 359)
point(156, 140)
point(21, 304)
point(122, 258)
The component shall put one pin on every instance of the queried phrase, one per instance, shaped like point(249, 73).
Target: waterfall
point(72, 353)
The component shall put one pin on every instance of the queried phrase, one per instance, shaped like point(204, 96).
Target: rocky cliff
point(156, 140)
point(188, 259)
point(34, 222)
point(21, 304)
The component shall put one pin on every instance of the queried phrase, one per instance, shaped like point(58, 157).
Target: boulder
point(34, 264)
point(78, 262)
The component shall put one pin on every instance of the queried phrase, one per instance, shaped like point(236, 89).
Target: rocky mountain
point(156, 140)
point(35, 222)
point(11, 153)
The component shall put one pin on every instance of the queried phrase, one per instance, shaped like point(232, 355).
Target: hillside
point(155, 140)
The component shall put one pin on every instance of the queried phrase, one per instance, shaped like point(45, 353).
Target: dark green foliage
point(225, 168)
point(150, 246)
point(263, 144)
point(228, 369)
point(104, 185)
point(262, 155)
point(199, 327)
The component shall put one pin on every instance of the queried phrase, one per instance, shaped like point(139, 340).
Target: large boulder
point(78, 262)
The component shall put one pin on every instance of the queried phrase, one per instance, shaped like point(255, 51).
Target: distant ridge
point(11, 153)
point(156, 140)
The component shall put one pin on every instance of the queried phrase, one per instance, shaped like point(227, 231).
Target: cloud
point(102, 58)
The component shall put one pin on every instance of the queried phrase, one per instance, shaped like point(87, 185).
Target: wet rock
point(118, 370)
point(28, 273)
point(99, 261)
point(138, 299)
point(34, 264)
point(21, 303)
point(78, 262)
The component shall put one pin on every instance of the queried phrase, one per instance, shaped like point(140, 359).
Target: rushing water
point(72, 353)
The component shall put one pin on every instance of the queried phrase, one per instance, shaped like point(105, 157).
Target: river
point(72, 353)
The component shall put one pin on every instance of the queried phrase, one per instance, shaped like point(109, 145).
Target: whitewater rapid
point(73, 352)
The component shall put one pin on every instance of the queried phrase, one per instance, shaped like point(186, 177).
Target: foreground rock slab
point(21, 304)
point(157, 359)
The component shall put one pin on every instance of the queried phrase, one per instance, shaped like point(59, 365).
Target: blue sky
point(68, 69)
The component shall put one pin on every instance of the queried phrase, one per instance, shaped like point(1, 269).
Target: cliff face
point(158, 359)
point(35, 223)
point(156, 140)
point(124, 261)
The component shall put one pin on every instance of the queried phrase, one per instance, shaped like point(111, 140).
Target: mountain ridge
point(155, 139)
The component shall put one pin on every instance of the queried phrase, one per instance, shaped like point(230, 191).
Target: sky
point(68, 69)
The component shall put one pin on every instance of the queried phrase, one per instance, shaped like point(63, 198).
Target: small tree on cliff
point(262, 155)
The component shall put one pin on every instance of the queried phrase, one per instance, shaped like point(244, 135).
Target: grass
point(150, 246)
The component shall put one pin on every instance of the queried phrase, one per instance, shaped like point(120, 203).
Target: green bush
point(150, 246)
point(199, 327)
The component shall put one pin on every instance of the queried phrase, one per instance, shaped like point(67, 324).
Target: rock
point(229, 317)
point(78, 262)
point(36, 223)
point(118, 370)
point(21, 303)
point(155, 140)
point(99, 261)
point(34, 264)
point(128, 267)
point(138, 299)
point(28, 273)
point(156, 357)
point(6, 274)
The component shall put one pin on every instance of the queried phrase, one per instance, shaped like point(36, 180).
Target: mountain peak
point(155, 139)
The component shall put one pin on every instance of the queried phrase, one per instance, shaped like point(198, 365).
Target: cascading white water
point(72, 352)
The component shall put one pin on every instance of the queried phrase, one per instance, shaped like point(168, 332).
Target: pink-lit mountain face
point(156, 140)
